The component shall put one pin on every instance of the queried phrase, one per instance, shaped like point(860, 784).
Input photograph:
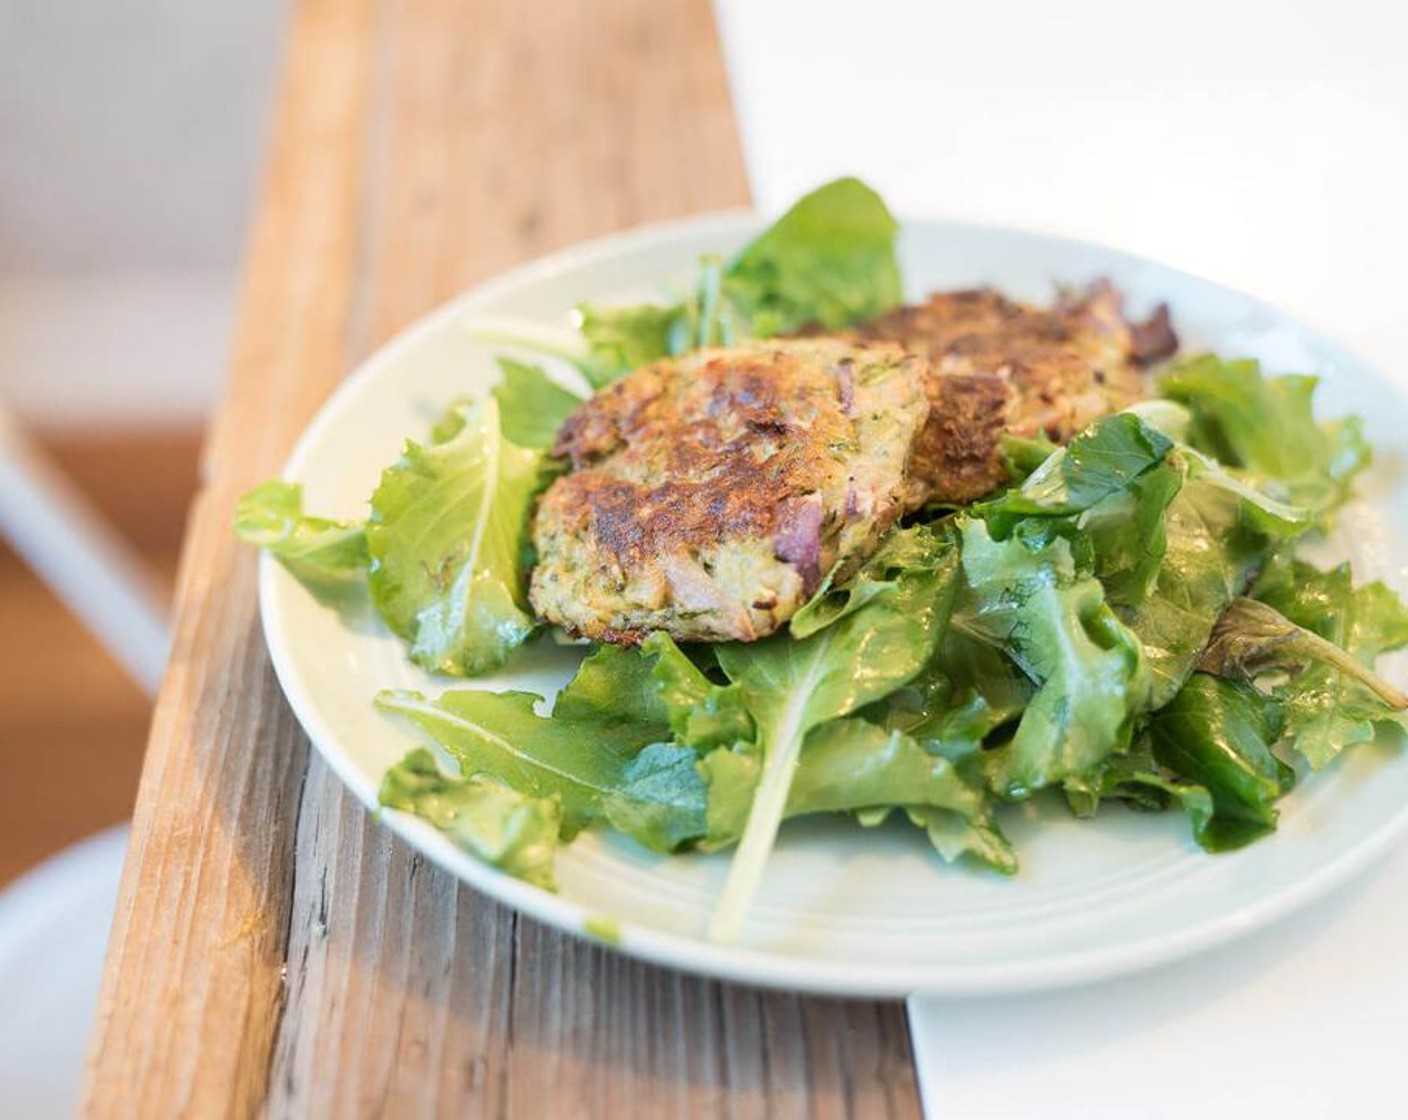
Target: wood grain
point(421, 147)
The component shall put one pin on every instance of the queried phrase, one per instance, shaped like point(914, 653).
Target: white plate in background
point(842, 909)
point(54, 924)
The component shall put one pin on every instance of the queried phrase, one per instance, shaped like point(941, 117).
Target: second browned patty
point(997, 365)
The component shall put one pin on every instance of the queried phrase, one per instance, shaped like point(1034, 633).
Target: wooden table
point(276, 951)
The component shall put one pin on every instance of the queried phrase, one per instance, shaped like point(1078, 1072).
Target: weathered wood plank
point(478, 134)
point(194, 981)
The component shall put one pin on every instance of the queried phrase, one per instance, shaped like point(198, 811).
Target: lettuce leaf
point(791, 685)
point(1021, 455)
point(967, 695)
point(1217, 734)
point(515, 833)
point(828, 262)
point(1101, 461)
point(323, 554)
point(1336, 700)
point(1171, 535)
point(657, 686)
point(956, 836)
point(1137, 779)
point(1129, 534)
point(1209, 556)
point(1176, 545)
point(904, 551)
point(620, 339)
point(850, 765)
point(701, 714)
point(1266, 426)
point(1026, 597)
point(532, 406)
point(601, 772)
point(1261, 510)
point(614, 683)
point(446, 536)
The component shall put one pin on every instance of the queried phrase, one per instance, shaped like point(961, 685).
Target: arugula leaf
point(1267, 426)
point(1173, 536)
point(1137, 779)
point(532, 406)
point(621, 339)
point(791, 685)
point(701, 714)
point(602, 772)
point(1209, 557)
point(1327, 706)
point(321, 553)
point(849, 765)
point(514, 833)
point(614, 683)
point(1252, 638)
point(829, 262)
point(1101, 461)
point(1217, 734)
point(888, 572)
point(1026, 598)
point(445, 536)
point(661, 800)
point(955, 836)
point(967, 692)
point(1261, 509)
point(1128, 532)
point(659, 687)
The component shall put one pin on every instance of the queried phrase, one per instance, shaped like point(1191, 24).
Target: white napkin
point(1304, 1020)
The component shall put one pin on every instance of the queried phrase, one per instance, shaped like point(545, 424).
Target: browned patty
point(997, 366)
point(709, 494)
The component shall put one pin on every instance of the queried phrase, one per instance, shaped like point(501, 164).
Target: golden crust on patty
point(997, 366)
point(709, 494)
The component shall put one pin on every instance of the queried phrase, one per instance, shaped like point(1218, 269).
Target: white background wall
point(1260, 143)
point(130, 137)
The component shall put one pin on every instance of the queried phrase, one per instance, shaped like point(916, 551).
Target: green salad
point(1128, 620)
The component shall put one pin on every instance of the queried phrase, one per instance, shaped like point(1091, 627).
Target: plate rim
point(754, 967)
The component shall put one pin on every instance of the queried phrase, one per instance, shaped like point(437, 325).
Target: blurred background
point(130, 137)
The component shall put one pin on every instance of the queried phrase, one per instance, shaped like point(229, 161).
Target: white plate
point(842, 909)
point(54, 926)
